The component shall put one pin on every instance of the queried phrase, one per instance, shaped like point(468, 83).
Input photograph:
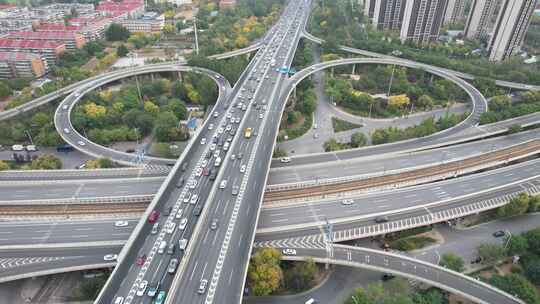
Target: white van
point(17, 147)
point(310, 301)
point(162, 247)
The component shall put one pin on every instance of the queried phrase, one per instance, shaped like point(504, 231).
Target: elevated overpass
point(62, 116)
point(501, 83)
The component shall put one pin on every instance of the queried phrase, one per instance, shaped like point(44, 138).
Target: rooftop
point(58, 27)
point(52, 35)
point(16, 56)
point(29, 44)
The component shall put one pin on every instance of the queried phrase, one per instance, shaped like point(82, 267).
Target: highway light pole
point(196, 36)
point(328, 238)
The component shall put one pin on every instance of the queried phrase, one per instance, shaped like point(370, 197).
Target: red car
point(140, 260)
point(206, 172)
point(154, 215)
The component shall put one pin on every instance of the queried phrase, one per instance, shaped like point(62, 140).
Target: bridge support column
point(332, 72)
point(354, 69)
point(180, 76)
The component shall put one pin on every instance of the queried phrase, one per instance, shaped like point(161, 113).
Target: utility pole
point(29, 136)
point(196, 36)
point(391, 80)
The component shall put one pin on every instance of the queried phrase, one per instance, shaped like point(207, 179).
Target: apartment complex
point(480, 19)
point(21, 65)
point(455, 11)
point(510, 28)
point(48, 50)
point(72, 40)
point(422, 20)
point(387, 14)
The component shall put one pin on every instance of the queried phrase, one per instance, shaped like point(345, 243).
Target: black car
point(184, 167)
point(167, 211)
point(387, 276)
point(381, 219)
point(181, 183)
point(213, 174)
point(197, 211)
point(208, 154)
point(499, 233)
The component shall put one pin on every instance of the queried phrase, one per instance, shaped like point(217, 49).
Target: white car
point(193, 183)
point(198, 172)
point(261, 115)
point(110, 257)
point(289, 251)
point(216, 114)
point(121, 223)
point(179, 213)
point(212, 147)
point(233, 157)
point(194, 199)
point(223, 184)
point(242, 168)
point(170, 227)
point(220, 130)
point(81, 143)
point(187, 197)
point(229, 115)
point(204, 163)
point(183, 223)
point(210, 126)
point(347, 202)
point(65, 107)
point(66, 130)
point(203, 141)
point(285, 160)
point(142, 288)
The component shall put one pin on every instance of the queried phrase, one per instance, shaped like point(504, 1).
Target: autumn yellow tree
point(264, 272)
point(151, 108)
point(398, 101)
point(94, 111)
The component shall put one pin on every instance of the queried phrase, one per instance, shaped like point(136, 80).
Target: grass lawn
point(340, 125)
point(412, 243)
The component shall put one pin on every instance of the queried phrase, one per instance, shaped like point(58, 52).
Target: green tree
point(264, 272)
point(5, 90)
point(116, 32)
point(46, 162)
point(491, 253)
point(40, 120)
point(531, 265)
point(301, 275)
point(358, 139)
point(516, 284)
point(452, 261)
point(517, 205)
point(331, 145)
point(500, 103)
point(178, 107)
point(166, 123)
point(425, 102)
point(122, 50)
point(517, 245)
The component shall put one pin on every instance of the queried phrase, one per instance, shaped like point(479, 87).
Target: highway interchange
point(221, 255)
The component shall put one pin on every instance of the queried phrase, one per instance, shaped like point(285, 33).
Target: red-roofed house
point(21, 65)
point(49, 50)
point(70, 39)
point(223, 4)
point(47, 27)
point(132, 9)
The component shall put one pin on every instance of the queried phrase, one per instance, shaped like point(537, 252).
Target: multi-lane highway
point(259, 84)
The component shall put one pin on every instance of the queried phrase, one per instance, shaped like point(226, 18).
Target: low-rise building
point(72, 40)
point(148, 23)
point(224, 4)
point(48, 50)
point(21, 65)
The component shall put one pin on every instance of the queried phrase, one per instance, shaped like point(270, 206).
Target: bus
point(247, 132)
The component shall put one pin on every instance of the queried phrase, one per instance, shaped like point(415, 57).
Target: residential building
point(21, 65)
point(149, 23)
point(388, 14)
point(131, 9)
point(422, 20)
point(455, 12)
point(48, 50)
point(480, 20)
point(510, 28)
point(369, 8)
point(70, 39)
